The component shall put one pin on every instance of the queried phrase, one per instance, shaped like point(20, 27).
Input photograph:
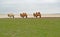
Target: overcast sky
point(29, 6)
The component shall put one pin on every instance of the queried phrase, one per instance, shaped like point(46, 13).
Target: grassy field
point(43, 27)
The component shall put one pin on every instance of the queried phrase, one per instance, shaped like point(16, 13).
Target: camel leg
point(23, 16)
point(40, 16)
point(26, 16)
point(36, 16)
point(13, 16)
point(10, 16)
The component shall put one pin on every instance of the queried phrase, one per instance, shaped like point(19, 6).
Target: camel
point(23, 15)
point(11, 15)
point(37, 14)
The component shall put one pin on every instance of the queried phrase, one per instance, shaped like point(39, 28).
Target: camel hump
point(38, 12)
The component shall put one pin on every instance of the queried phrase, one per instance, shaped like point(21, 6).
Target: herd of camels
point(37, 14)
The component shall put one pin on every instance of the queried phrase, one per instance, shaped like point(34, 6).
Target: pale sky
point(29, 6)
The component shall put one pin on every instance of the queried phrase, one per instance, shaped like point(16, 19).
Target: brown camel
point(11, 15)
point(37, 14)
point(23, 15)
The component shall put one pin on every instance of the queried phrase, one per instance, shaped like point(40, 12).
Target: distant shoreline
point(31, 16)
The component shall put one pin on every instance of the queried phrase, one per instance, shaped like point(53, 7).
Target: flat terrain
point(32, 27)
point(30, 15)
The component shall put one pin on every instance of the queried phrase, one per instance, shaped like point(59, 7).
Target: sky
point(29, 6)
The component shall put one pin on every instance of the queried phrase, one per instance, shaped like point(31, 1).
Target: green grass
point(43, 27)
